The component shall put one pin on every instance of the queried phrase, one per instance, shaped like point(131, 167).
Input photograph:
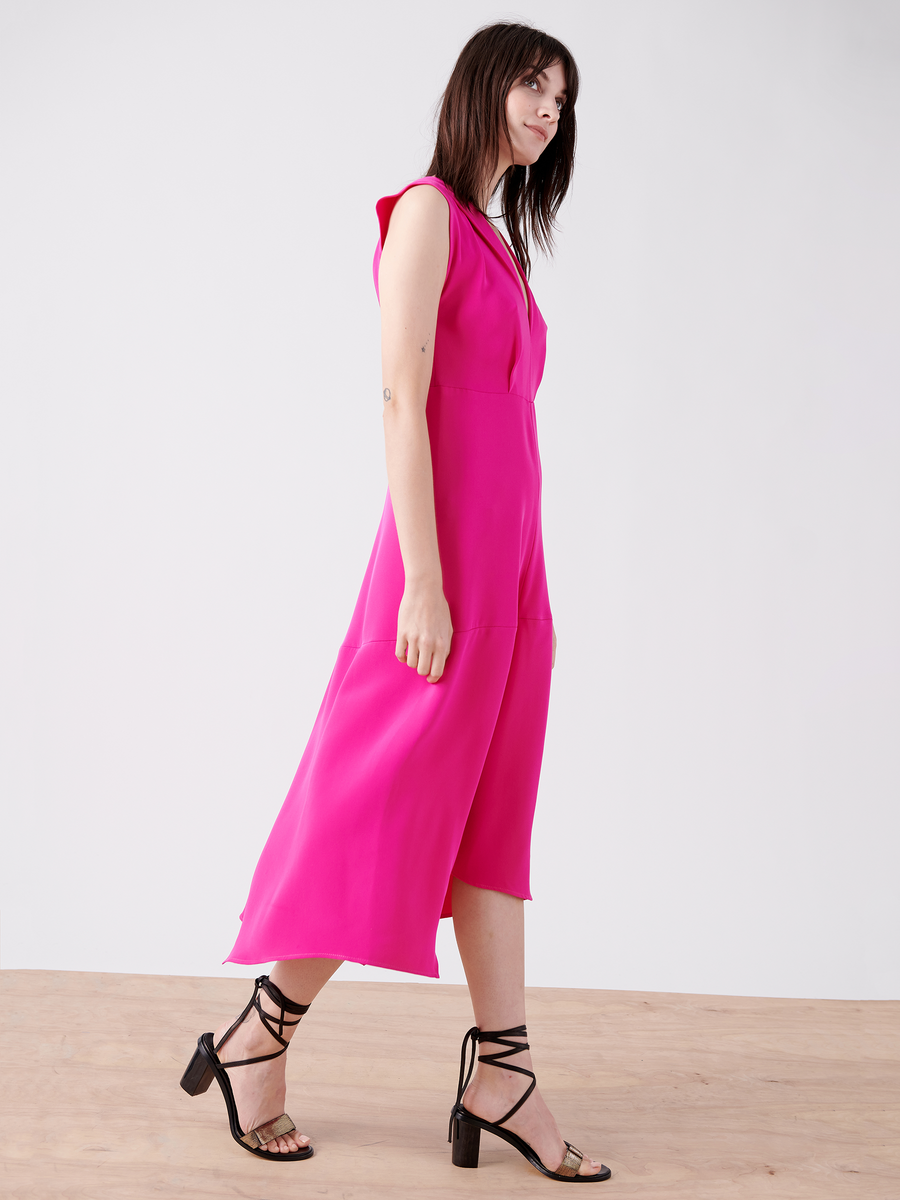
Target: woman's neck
point(504, 162)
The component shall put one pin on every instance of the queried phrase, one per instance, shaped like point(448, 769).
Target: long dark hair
point(472, 113)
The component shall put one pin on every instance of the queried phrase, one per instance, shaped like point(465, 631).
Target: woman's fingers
point(437, 665)
point(411, 652)
point(426, 656)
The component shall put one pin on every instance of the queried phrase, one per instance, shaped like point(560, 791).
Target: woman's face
point(532, 112)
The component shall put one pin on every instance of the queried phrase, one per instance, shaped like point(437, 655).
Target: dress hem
point(362, 962)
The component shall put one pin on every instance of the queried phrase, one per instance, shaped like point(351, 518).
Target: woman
point(415, 795)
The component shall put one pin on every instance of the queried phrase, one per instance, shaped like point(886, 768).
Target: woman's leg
point(259, 1089)
point(490, 933)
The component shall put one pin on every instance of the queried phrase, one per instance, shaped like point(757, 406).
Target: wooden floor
point(685, 1097)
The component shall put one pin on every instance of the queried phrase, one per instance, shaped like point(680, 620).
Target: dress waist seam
point(452, 387)
point(468, 629)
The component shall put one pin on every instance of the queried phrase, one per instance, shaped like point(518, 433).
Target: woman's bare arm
point(410, 280)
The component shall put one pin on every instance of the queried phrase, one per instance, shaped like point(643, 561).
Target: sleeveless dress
point(405, 784)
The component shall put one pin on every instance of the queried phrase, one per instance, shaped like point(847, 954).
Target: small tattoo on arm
point(387, 394)
point(427, 340)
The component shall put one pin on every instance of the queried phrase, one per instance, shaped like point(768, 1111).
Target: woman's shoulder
point(426, 194)
point(425, 202)
point(425, 188)
point(423, 197)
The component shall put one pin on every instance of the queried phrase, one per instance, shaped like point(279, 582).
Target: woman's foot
point(259, 1089)
point(494, 1091)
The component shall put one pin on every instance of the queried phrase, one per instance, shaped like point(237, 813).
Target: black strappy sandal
point(205, 1065)
point(465, 1127)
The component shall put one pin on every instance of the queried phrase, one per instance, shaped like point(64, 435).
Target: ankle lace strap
point(286, 1006)
point(500, 1037)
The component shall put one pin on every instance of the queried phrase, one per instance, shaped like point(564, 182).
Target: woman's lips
point(537, 130)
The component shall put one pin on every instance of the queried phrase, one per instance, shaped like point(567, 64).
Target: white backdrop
point(192, 471)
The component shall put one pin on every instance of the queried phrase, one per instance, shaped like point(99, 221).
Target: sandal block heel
point(198, 1075)
point(466, 1142)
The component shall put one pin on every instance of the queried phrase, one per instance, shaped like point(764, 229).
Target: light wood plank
point(685, 1097)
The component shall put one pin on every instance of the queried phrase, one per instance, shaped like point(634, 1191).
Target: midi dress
point(405, 784)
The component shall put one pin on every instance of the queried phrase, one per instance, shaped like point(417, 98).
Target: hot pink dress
point(404, 783)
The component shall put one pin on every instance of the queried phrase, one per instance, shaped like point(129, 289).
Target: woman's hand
point(553, 657)
point(424, 629)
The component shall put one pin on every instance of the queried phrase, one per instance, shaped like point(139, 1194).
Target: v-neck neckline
point(514, 263)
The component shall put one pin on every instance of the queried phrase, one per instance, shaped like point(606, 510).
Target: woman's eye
point(530, 82)
point(559, 106)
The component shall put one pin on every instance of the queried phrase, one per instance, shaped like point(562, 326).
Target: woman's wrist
point(422, 579)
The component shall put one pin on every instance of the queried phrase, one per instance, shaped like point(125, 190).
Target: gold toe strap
point(571, 1163)
point(268, 1132)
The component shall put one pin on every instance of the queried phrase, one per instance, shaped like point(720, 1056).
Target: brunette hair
point(472, 113)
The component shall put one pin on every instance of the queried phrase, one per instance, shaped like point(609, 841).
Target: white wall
point(192, 474)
